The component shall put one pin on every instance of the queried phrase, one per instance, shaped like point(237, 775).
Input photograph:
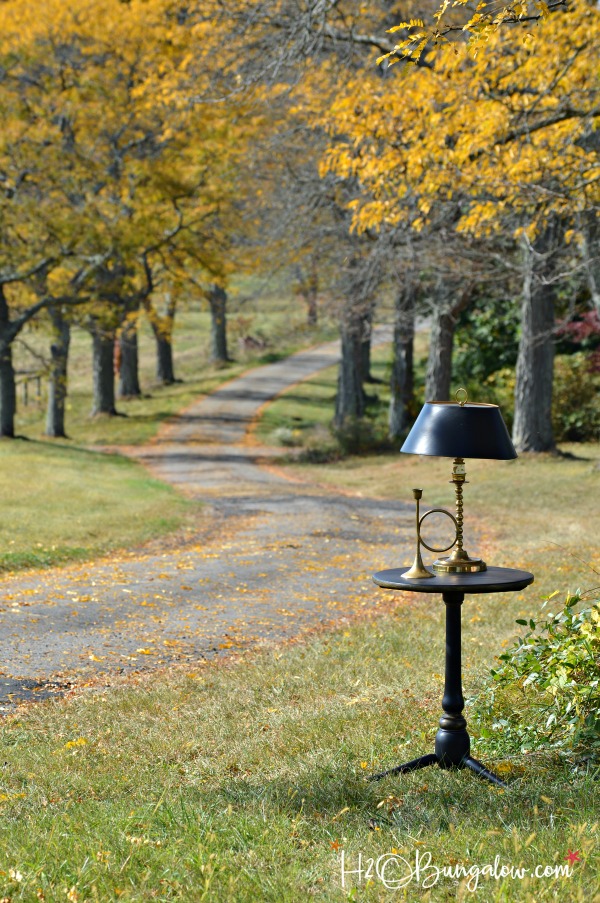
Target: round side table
point(452, 742)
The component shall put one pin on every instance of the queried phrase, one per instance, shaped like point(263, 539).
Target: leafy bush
point(486, 339)
point(499, 388)
point(576, 404)
point(356, 436)
point(319, 446)
point(283, 435)
point(362, 435)
point(576, 398)
point(546, 696)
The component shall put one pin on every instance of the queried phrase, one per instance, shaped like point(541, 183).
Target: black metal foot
point(482, 771)
point(432, 759)
point(414, 765)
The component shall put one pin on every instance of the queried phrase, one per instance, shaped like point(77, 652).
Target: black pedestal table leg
point(414, 765)
point(452, 743)
point(483, 772)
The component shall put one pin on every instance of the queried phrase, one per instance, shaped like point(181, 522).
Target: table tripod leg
point(414, 765)
point(482, 771)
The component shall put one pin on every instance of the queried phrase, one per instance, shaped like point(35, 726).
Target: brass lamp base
point(459, 563)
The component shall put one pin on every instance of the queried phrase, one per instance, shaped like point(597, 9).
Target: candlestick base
point(459, 563)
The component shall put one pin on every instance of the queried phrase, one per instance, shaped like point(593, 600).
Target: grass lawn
point(61, 503)
point(244, 780)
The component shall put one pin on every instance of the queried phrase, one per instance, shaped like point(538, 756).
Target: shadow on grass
point(433, 800)
point(60, 446)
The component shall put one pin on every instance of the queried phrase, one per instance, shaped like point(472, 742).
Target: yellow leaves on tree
point(111, 148)
point(509, 132)
point(480, 24)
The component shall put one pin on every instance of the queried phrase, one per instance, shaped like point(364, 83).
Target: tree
point(502, 138)
point(18, 306)
point(57, 383)
point(532, 428)
point(136, 186)
point(402, 376)
point(480, 24)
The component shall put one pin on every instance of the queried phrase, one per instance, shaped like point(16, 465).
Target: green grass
point(245, 782)
point(61, 503)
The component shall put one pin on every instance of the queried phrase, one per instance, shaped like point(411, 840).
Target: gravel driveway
point(272, 557)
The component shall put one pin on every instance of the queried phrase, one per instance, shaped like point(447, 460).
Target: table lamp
point(455, 429)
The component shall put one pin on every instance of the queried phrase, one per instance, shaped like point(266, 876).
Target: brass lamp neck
point(459, 561)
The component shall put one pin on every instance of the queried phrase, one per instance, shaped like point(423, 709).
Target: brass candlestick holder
point(418, 571)
point(459, 562)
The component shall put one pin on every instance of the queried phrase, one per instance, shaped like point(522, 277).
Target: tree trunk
point(532, 425)
point(165, 372)
point(402, 378)
point(308, 287)
point(590, 251)
point(57, 386)
point(217, 299)
point(103, 363)
point(8, 393)
point(129, 381)
point(312, 308)
point(441, 340)
point(365, 343)
point(162, 327)
point(350, 399)
point(310, 296)
point(439, 361)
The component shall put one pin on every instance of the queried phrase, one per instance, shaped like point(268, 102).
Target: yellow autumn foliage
point(509, 133)
point(111, 144)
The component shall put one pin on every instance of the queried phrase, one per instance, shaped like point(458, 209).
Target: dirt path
point(275, 557)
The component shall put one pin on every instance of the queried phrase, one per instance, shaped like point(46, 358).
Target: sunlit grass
point(245, 782)
point(61, 503)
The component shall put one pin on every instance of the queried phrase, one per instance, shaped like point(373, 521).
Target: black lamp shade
point(451, 430)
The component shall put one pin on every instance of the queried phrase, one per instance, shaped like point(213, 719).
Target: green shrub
point(546, 695)
point(362, 435)
point(576, 403)
point(283, 435)
point(319, 446)
point(486, 339)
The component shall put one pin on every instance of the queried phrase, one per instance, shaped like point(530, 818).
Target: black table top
point(494, 580)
